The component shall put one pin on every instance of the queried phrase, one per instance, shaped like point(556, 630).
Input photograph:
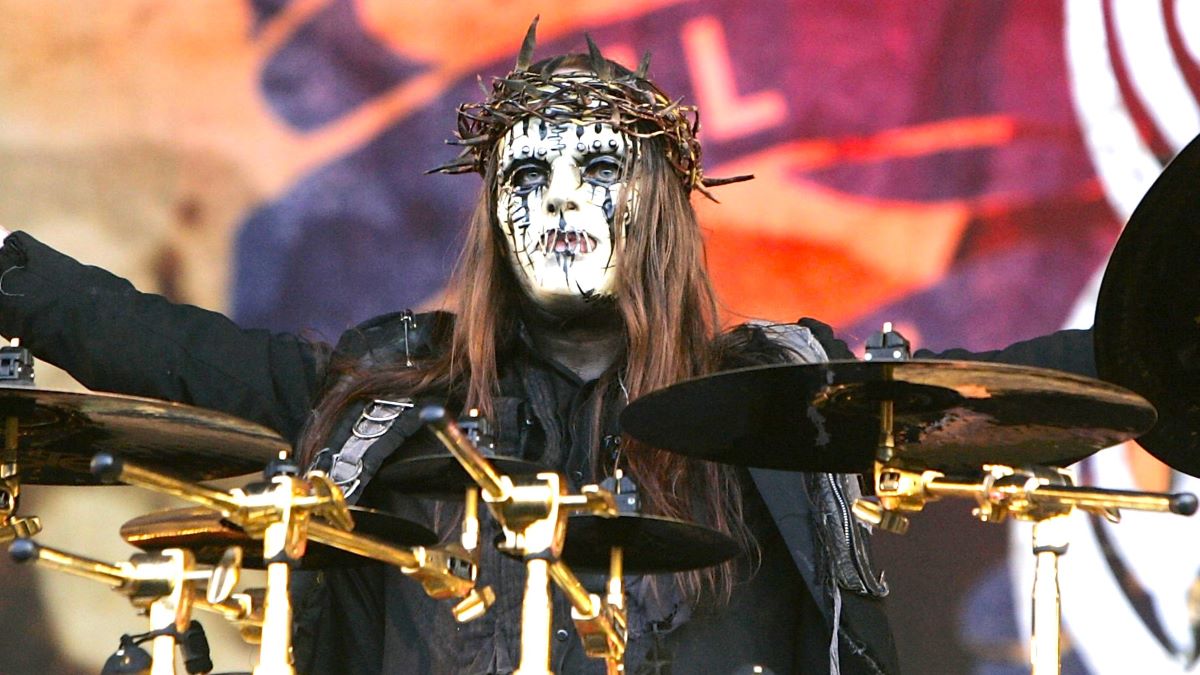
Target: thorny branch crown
point(626, 100)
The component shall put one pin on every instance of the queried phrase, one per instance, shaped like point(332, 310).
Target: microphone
point(194, 645)
point(129, 659)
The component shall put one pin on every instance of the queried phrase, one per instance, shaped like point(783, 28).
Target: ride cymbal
point(650, 544)
point(948, 415)
point(60, 431)
point(441, 476)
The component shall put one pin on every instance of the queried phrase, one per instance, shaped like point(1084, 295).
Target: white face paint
point(556, 198)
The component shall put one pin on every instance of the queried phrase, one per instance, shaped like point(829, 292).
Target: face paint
point(557, 187)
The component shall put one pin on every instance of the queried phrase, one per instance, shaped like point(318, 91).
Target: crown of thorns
point(628, 102)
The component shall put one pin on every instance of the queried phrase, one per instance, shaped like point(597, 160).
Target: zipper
point(847, 528)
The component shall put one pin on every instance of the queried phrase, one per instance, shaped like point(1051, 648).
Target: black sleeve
point(1069, 350)
point(111, 337)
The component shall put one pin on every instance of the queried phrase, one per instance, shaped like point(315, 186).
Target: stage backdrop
point(959, 168)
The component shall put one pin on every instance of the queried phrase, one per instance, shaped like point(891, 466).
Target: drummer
point(581, 286)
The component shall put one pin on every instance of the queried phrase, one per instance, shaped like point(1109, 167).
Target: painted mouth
point(569, 242)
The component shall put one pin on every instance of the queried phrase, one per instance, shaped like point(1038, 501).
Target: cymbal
point(1146, 330)
point(59, 432)
point(441, 476)
point(207, 535)
point(949, 415)
point(650, 544)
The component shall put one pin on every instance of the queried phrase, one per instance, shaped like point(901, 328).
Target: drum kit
point(999, 436)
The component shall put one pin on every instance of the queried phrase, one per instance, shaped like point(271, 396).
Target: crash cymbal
point(650, 544)
point(440, 476)
point(1147, 327)
point(949, 415)
point(207, 535)
point(60, 431)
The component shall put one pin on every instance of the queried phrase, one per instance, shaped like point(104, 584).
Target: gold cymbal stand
point(12, 527)
point(244, 610)
point(16, 367)
point(532, 514)
point(601, 622)
point(282, 515)
point(161, 584)
point(1043, 495)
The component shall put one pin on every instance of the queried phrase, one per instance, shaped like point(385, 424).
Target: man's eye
point(603, 170)
point(527, 178)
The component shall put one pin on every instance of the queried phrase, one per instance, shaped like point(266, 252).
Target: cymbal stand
point(16, 368)
point(161, 584)
point(1045, 644)
point(532, 513)
point(281, 514)
point(601, 622)
point(1043, 495)
point(244, 610)
point(12, 527)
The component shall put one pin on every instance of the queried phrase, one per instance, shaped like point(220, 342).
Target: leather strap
point(346, 467)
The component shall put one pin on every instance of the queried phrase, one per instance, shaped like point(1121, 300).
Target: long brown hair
point(669, 315)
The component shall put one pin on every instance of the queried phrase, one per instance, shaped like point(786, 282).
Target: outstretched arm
point(1069, 350)
point(111, 337)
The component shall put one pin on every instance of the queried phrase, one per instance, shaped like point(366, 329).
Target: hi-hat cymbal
point(650, 544)
point(441, 476)
point(60, 431)
point(949, 415)
point(207, 535)
point(1147, 327)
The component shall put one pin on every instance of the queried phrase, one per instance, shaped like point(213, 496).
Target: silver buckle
point(353, 480)
point(380, 411)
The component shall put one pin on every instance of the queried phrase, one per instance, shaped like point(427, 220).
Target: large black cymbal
point(650, 544)
point(1147, 329)
point(949, 415)
point(441, 476)
point(60, 431)
point(206, 534)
